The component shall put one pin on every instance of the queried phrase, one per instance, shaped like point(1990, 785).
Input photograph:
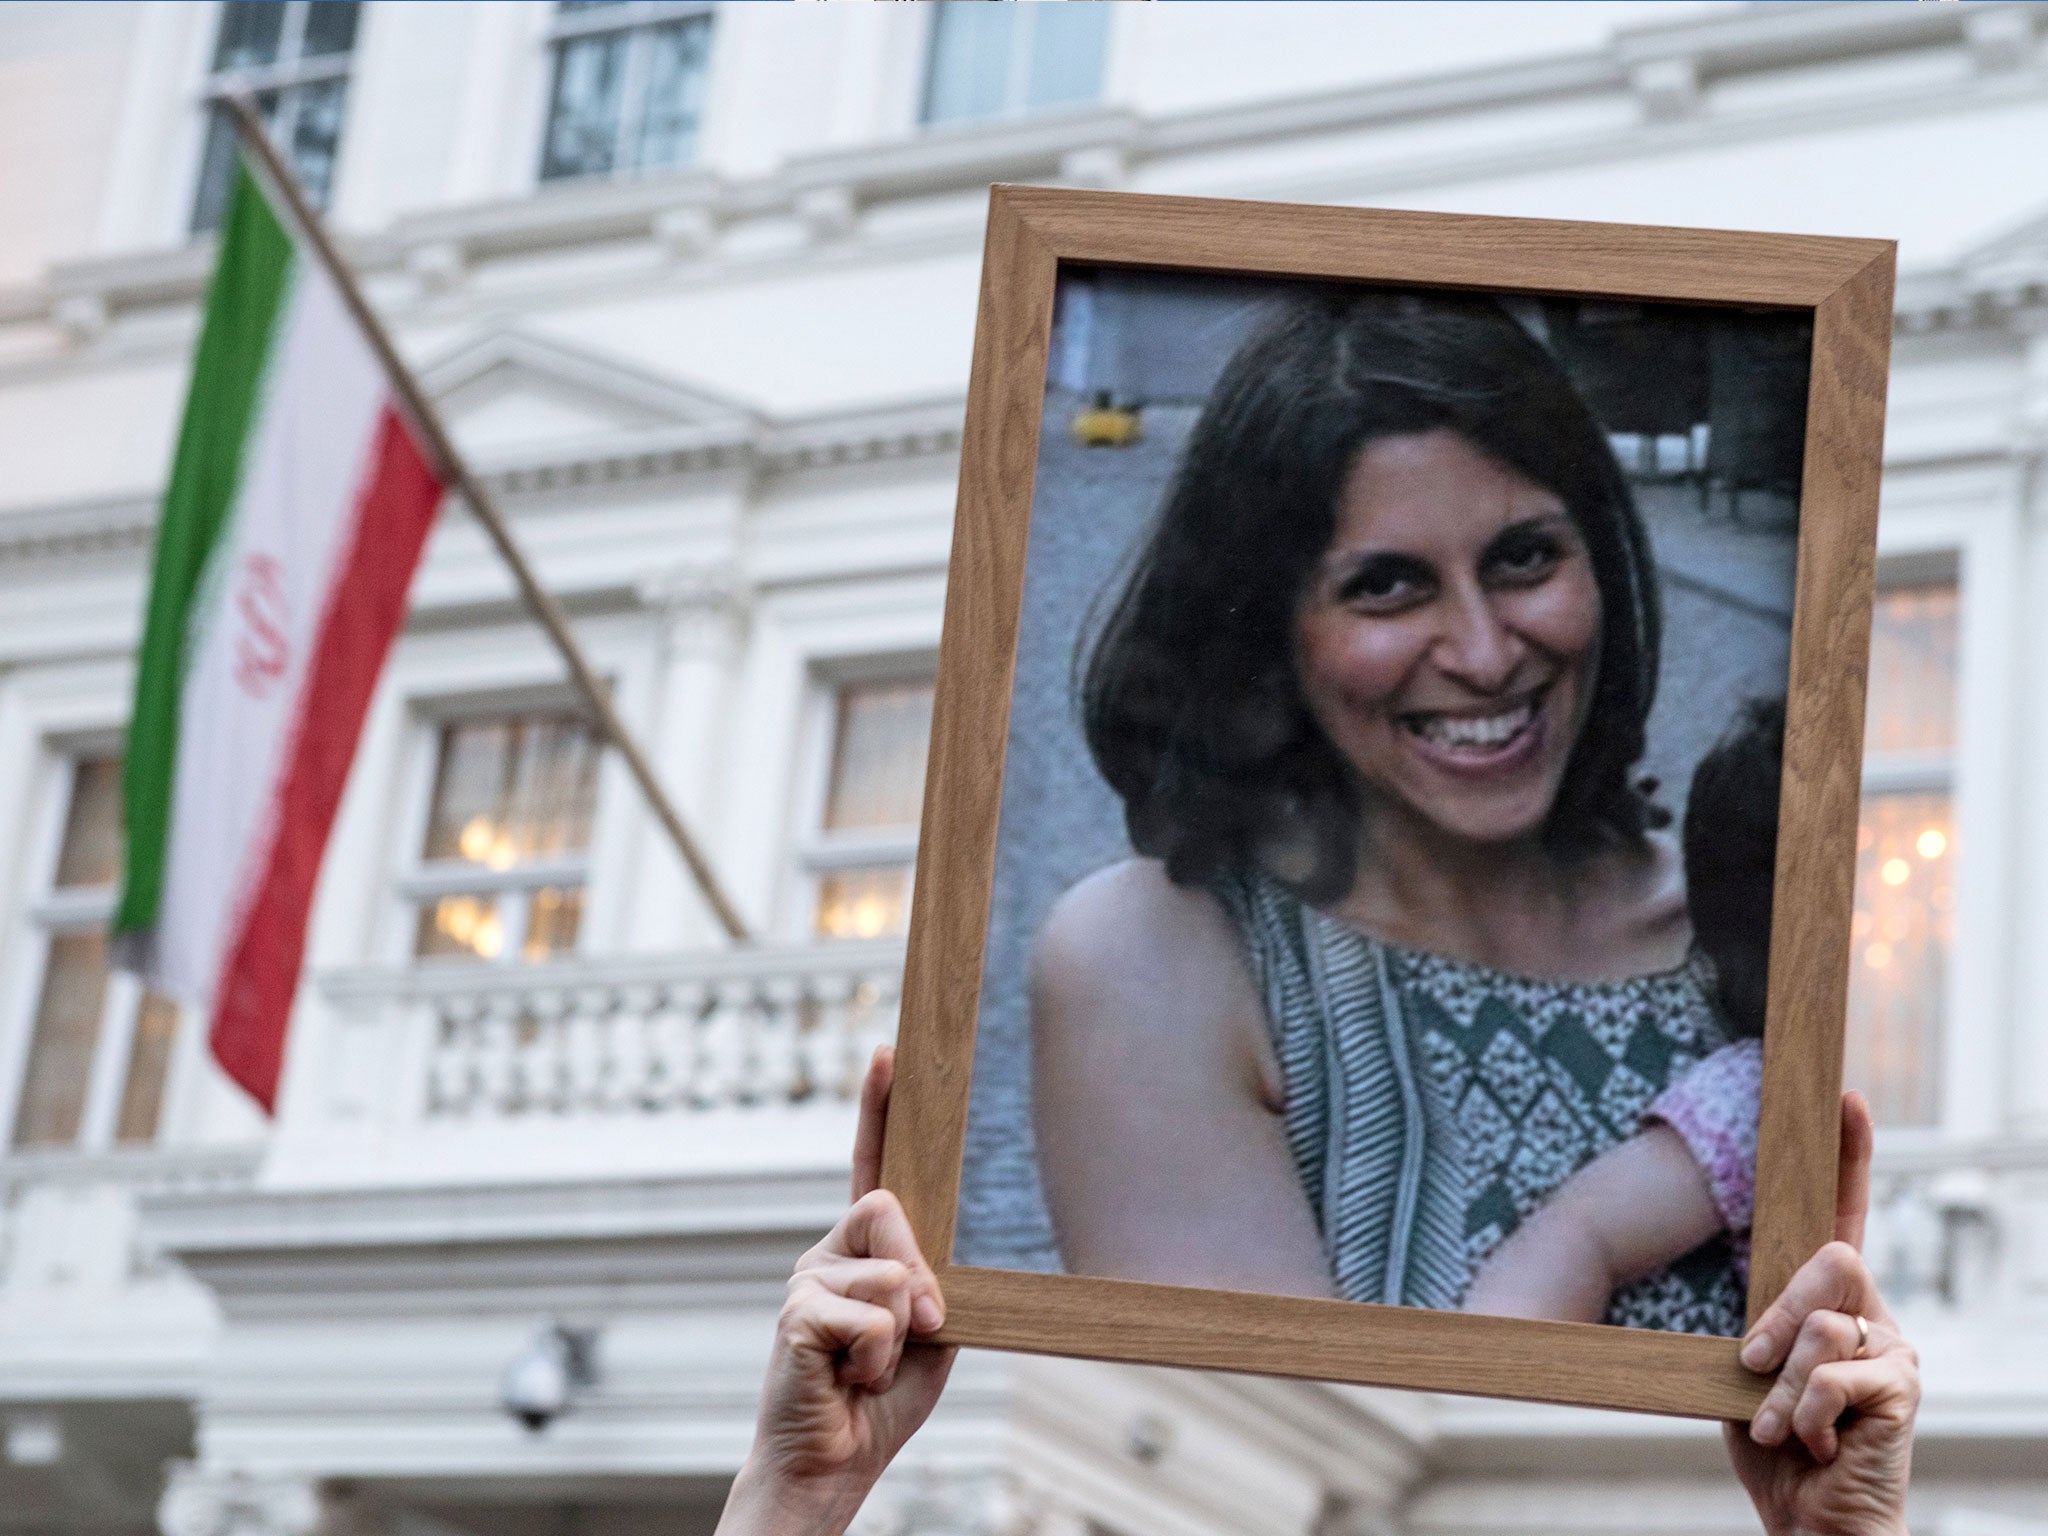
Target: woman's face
point(1448, 639)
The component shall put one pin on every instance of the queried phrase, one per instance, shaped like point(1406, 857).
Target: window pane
point(91, 851)
point(675, 91)
point(249, 34)
point(513, 789)
point(878, 756)
point(864, 903)
point(149, 1068)
point(583, 114)
point(1900, 935)
point(469, 926)
point(316, 134)
point(1912, 704)
point(1067, 46)
point(67, 1030)
point(973, 42)
point(330, 27)
point(552, 918)
point(217, 162)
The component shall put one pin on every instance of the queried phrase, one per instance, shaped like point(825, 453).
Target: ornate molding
point(1669, 69)
point(101, 525)
point(204, 1228)
point(145, 1170)
point(761, 449)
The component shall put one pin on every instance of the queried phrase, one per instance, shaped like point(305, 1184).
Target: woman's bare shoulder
point(1132, 899)
point(1129, 931)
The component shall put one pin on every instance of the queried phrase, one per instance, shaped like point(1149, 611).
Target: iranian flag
point(298, 505)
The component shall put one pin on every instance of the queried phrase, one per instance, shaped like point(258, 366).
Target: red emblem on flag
point(260, 647)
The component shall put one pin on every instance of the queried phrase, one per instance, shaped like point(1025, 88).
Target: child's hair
point(1731, 855)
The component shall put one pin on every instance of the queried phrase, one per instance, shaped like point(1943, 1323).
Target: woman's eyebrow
point(1346, 564)
point(1536, 522)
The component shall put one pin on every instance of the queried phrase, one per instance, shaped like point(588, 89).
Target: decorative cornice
point(921, 429)
point(207, 1172)
point(759, 448)
point(252, 1221)
point(1959, 299)
point(1669, 69)
point(97, 526)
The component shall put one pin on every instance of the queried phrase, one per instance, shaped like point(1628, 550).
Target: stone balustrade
point(632, 1037)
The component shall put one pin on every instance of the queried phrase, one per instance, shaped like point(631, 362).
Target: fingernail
point(1767, 1426)
point(1757, 1352)
point(925, 1314)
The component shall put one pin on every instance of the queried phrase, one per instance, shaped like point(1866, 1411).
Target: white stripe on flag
point(307, 454)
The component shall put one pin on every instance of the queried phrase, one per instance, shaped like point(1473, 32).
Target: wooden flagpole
point(454, 473)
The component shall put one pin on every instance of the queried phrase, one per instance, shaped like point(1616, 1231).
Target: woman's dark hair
point(1189, 697)
point(1731, 859)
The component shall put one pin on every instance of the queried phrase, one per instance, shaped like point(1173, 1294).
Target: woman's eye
point(1526, 558)
point(1380, 584)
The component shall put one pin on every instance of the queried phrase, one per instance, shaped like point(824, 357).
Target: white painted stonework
point(722, 405)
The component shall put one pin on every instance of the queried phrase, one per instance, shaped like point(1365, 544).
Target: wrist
point(768, 1502)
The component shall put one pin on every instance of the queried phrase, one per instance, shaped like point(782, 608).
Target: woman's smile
point(1448, 642)
point(1493, 742)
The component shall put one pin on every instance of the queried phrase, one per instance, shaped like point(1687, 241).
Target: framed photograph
point(1382, 908)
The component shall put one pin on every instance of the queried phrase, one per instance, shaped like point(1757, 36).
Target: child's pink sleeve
point(1713, 1106)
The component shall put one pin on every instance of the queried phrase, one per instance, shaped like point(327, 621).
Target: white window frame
point(1961, 525)
point(282, 78)
point(418, 880)
point(639, 18)
point(47, 913)
point(1926, 773)
point(1014, 108)
point(819, 853)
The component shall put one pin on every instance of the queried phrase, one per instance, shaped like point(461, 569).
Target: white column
point(2027, 1091)
point(703, 614)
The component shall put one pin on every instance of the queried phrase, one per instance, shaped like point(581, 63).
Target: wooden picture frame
point(1845, 285)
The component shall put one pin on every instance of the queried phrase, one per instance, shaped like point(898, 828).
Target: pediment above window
point(510, 395)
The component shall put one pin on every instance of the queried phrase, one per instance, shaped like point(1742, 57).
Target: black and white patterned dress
point(1432, 1104)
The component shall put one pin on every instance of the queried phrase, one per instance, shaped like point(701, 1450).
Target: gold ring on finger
point(1862, 1337)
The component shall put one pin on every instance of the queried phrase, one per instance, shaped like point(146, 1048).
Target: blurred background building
point(695, 286)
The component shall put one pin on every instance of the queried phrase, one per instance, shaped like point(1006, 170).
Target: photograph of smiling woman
point(1192, 710)
point(1396, 965)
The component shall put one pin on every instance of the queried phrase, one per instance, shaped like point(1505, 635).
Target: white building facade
point(694, 286)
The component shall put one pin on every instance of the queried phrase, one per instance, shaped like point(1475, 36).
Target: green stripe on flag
point(249, 282)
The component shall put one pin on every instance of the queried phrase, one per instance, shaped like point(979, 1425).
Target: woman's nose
point(1476, 646)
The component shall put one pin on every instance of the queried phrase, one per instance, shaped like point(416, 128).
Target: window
point(1905, 855)
point(505, 855)
point(862, 855)
point(628, 90)
point(292, 58)
point(997, 60)
point(99, 1047)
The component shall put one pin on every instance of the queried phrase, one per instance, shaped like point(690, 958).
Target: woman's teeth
point(1474, 732)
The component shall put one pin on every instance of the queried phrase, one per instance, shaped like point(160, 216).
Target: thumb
point(1852, 1173)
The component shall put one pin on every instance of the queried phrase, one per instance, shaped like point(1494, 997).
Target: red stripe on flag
point(260, 977)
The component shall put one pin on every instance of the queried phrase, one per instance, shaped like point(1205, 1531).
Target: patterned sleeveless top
point(1432, 1104)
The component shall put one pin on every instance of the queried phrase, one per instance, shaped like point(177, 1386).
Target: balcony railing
point(615, 1038)
point(1947, 1220)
